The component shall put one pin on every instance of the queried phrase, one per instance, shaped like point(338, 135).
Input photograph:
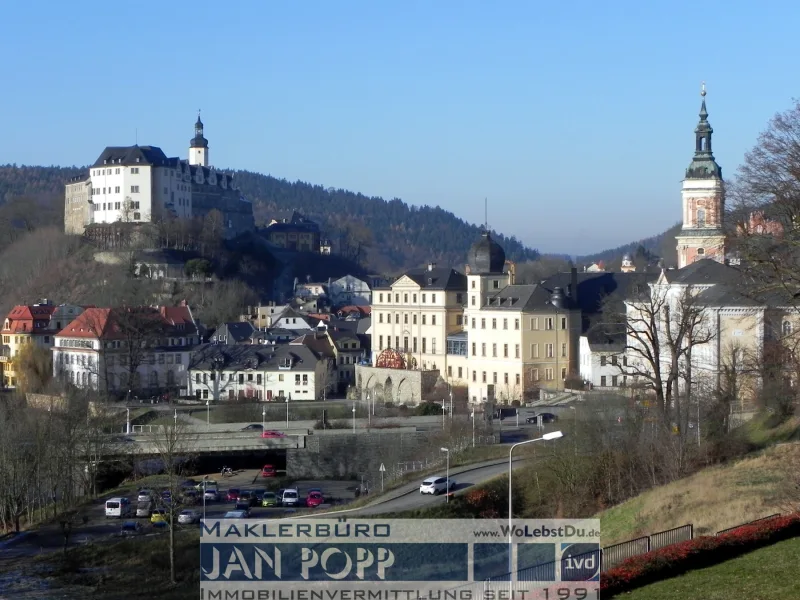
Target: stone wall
point(398, 386)
point(346, 456)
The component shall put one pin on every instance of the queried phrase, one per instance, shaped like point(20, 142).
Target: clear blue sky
point(575, 119)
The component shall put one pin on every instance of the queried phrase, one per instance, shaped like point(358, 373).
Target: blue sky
point(575, 119)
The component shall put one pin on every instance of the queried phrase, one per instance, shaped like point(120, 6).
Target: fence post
point(691, 531)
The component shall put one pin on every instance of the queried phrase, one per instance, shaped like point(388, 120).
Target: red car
point(272, 434)
point(268, 471)
point(314, 499)
point(232, 495)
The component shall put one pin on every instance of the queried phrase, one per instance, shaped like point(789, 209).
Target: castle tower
point(703, 196)
point(198, 145)
point(627, 264)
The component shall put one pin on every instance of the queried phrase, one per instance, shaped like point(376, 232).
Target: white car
point(144, 496)
point(436, 485)
point(211, 495)
point(188, 517)
point(290, 497)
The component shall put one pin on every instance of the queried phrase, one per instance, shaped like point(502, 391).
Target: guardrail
point(612, 555)
point(748, 523)
point(671, 536)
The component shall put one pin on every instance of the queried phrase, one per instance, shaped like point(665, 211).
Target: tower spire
point(703, 165)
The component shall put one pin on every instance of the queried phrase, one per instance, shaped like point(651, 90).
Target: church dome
point(486, 256)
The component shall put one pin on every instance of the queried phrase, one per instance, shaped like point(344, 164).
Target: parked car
point(543, 419)
point(118, 507)
point(159, 516)
point(232, 495)
point(130, 527)
point(314, 499)
point(268, 471)
point(189, 498)
point(273, 434)
point(436, 485)
point(144, 496)
point(269, 499)
point(211, 495)
point(144, 509)
point(166, 497)
point(290, 497)
point(242, 505)
point(207, 485)
point(188, 517)
point(236, 514)
point(253, 427)
point(247, 496)
point(259, 494)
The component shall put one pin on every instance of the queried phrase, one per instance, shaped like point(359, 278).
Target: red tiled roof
point(104, 323)
point(28, 319)
point(350, 309)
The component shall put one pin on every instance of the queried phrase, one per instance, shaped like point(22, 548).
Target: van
point(118, 507)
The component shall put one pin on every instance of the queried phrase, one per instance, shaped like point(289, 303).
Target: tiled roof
point(110, 323)
point(256, 358)
point(705, 272)
point(29, 319)
point(438, 278)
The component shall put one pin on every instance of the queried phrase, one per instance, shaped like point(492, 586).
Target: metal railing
point(671, 536)
point(613, 555)
point(729, 529)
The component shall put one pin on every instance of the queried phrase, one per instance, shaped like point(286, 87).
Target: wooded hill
point(398, 236)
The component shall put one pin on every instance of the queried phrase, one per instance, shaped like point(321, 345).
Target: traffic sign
point(382, 469)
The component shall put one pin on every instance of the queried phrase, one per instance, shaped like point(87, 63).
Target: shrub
point(427, 409)
point(698, 553)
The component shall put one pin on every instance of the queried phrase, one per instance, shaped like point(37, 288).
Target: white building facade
point(349, 291)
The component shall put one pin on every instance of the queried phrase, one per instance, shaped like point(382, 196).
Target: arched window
point(701, 217)
point(787, 328)
point(701, 251)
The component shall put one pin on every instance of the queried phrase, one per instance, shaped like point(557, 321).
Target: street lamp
point(264, 417)
point(289, 397)
point(354, 416)
point(175, 418)
point(127, 420)
point(444, 411)
point(208, 414)
point(447, 492)
point(473, 426)
point(553, 435)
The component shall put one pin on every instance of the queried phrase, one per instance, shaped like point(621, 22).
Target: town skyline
point(447, 107)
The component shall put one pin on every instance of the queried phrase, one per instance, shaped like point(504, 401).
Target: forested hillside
point(398, 236)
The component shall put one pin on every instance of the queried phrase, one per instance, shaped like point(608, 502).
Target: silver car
point(144, 496)
point(211, 495)
point(188, 517)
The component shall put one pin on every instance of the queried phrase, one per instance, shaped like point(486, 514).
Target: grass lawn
point(712, 499)
point(127, 569)
point(766, 574)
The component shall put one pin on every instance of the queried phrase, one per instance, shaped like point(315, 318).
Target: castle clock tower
point(703, 196)
point(198, 146)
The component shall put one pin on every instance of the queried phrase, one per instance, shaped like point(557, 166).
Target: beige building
point(77, 204)
point(415, 314)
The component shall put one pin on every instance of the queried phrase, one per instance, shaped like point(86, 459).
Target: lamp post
point(263, 417)
point(447, 491)
point(127, 420)
point(289, 397)
point(473, 426)
point(354, 416)
point(203, 489)
point(208, 414)
point(444, 411)
point(175, 418)
point(553, 435)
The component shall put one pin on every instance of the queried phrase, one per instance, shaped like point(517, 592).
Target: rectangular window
point(414, 342)
point(450, 371)
point(380, 297)
point(548, 350)
point(433, 298)
point(534, 350)
point(405, 344)
point(280, 378)
point(397, 341)
point(258, 379)
point(380, 342)
point(563, 322)
point(424, 319)
point(423, 298)
point(433, 345)
point(459, 372)
point(505, 323)
point(473, 284)
point(414, 300)
point(397, 318)
point(602, 361)
point(424, 344)
point(474, 376)
point(459, 320)
point(297, 379)
point(517, 378)
point(563, 374)
point(380, 317)
point(472, 300)
point(494, 323)
point(534, 323)
point(414, 319)
point(134, 170)
point(483, 323)
point(483, 376)
point(134, 189)
point(548, 323)
point(603, 381)
point(433, 319)
point(241, 378)
point(505, 378)
point(505, 350)
point(483, 349)
point(116, 189)
point(405, 298)
point(614, 380)
point(397, 298)
point(516, 350)
point(473, 323)
point(459, 299)
point(516, 324)
point(614, 360)
point(548, 374)
point(563, 351)
point(494, 350)
point(473, 348)
point(405, 318)
point(494, 378)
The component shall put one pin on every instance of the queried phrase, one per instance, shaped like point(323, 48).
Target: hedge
point(697, 553)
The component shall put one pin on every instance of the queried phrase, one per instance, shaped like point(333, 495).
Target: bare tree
point(174, 444)
point(33, 365)
point(662, 329)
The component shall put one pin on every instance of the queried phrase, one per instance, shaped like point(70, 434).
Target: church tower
point(198, 146)
point(703, 196)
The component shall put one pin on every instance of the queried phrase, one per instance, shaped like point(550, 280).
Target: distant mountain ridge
point(402, 236)
point(650, 249)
